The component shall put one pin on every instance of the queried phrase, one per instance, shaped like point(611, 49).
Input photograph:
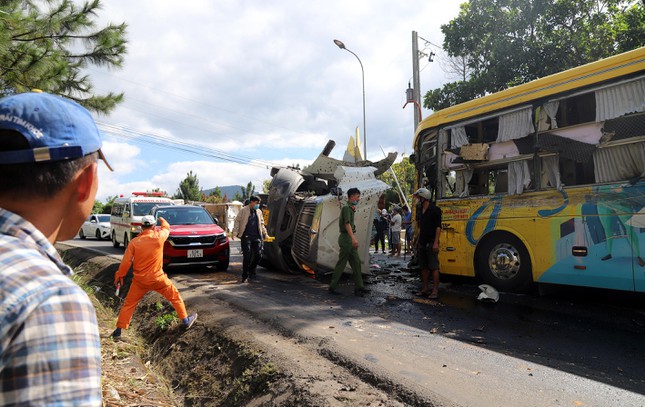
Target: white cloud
point(260, 80)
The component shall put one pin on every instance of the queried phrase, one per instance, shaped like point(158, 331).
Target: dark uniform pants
point(251, 253)
point(347, 253)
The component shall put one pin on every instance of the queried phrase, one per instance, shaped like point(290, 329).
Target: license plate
point(195, 253)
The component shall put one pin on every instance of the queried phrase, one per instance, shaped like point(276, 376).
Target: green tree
point(266, 185)
point(215, 196)
point(47, 44)
point(98, 207)
point(189, 188)
point(246, 193)
point(104, 208)
point(405, 172)
point(508, 42)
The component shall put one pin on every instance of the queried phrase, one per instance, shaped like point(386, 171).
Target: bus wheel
point(504, 263)
point(114, 241)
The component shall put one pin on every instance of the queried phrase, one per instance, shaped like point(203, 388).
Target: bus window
point(576, 173)
point(576, 110)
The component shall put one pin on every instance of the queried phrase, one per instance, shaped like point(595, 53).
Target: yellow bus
point(543, 182)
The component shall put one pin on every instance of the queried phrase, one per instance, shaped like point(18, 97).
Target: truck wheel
point(125, 241)
point(115, 243)
point(504, 263)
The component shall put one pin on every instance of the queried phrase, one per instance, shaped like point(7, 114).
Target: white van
point(125, 219)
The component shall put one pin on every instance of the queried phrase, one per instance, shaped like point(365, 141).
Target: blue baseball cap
point(55, 128)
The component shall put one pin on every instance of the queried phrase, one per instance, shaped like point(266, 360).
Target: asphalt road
point(572, 347)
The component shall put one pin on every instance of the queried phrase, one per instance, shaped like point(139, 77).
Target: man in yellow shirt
point(145, 255)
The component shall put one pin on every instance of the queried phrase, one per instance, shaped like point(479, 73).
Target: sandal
point(421, 293)
point(434, 296)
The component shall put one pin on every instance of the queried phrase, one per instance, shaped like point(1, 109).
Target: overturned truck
point(303, 207)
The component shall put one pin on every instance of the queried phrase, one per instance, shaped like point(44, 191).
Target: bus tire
point(504, 263)
point(115, 243)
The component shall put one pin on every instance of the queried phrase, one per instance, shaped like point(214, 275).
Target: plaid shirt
point(49, 339)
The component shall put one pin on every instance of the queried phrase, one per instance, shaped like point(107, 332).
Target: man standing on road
point(395, 228)
point(145, 255)
point(428, 242)
point(249, 227)
point(381, 224)
point(49, 339)
point(348, 245)
point(407, 225)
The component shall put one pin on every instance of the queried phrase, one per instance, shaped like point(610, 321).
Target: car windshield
point(104, 218)
point(142, 208)
point(185, 216)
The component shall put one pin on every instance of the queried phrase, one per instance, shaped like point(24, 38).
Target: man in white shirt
point(395, 227)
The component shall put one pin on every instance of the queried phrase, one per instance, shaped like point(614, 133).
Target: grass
point(125, 379)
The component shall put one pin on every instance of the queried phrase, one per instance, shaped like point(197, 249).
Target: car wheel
point(81, 235)
point(222, 266)
point(125, 241)
point(504, 263)
point(115, 243)
point(98, 234)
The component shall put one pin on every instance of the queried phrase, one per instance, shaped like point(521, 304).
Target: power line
point(166, 142)
point(199, 102)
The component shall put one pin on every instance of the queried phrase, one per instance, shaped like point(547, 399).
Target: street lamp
point(342, 46)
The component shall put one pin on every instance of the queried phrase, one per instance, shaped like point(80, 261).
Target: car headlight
point(220, 239)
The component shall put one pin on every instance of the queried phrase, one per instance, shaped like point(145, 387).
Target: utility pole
point(416, 84)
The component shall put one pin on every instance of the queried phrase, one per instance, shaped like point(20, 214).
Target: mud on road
point(230, 358)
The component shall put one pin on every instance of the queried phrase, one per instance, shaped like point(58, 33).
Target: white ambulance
point(125, 219)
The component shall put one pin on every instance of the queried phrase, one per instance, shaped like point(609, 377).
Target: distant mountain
point(229, 191)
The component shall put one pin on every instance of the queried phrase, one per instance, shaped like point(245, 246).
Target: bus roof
point(575, 78)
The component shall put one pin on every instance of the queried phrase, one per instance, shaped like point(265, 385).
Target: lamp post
point(342, 46)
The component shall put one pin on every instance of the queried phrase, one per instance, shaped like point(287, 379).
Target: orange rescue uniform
point(145, 255)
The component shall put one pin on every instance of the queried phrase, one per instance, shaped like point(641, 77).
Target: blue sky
point(261, 82)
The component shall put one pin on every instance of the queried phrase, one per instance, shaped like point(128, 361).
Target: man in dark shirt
point(249, 228)
point(348, 245)
point(428, 251)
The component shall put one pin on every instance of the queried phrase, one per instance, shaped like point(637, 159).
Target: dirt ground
point(226, 359)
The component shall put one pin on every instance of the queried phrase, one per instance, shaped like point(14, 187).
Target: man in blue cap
point(49, 339)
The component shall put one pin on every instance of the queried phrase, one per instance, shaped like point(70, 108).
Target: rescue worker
point(249, 227)
point(145, 255)
point(348, 246)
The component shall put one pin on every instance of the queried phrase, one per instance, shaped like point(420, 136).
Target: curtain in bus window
point(458, 137)
point(519, 177)
point(463, 178)
point(515, 125)
point(619, 163)
point(551, 168)
point(551, 109)
point(621, 99)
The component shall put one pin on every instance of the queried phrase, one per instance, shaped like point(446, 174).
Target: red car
point(195, 238)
